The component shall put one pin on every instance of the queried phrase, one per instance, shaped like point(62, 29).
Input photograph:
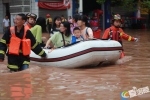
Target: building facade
point(3, 11)
point(13, 7)
point(55, 8)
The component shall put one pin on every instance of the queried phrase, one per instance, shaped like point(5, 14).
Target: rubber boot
point(122, 55)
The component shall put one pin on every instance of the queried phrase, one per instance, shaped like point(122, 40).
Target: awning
point(55, 5)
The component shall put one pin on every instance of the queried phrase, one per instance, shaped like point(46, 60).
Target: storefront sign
point(55, 5)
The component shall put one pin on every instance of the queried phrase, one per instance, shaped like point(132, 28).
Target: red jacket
point(117, 37)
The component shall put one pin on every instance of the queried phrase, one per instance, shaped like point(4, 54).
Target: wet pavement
point(103, 82)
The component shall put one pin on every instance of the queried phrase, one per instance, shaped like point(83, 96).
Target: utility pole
point(80, 7)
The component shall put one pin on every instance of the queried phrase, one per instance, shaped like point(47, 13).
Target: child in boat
point(77, 35)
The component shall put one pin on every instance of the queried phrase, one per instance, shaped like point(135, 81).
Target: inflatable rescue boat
point(80, 54)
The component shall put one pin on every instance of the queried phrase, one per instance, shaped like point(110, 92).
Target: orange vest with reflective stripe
point(15, 42)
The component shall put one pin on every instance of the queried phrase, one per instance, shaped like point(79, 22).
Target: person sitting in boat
point(77, 35)
point(37, 30)
point(61, 38)
point(116, 33)
point(86, 31)
point(56, 25)
point(74, 22)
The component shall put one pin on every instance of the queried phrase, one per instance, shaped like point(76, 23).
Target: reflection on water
point(104, 82)
point(15, 86)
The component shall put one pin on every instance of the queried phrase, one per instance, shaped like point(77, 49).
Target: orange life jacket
point(115, 35)
point(28, 26)
point(15, 42)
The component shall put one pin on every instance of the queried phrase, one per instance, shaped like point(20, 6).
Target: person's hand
point(136, 39)
point(45, 56)
point(45, 47)
point(1, 60)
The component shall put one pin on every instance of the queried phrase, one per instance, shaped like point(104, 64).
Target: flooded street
point(103, 82)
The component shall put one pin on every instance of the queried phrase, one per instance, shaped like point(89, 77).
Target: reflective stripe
point(129, 39)
point(26, 62)
point(34, 45)
point(3, 41)
point(2, 52)
point(41, 53)
point(121, 34)
point(13, 66)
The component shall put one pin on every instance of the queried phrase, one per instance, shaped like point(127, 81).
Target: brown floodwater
point(104, 82)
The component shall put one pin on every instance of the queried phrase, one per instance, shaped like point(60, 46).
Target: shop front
point(55, 8)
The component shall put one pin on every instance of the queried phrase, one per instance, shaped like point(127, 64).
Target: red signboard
point(55, 5)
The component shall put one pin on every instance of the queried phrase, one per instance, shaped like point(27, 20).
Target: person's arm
point(51, 41)
point(4, 23)
point(106, 34)
point(90, 33)
point(73, 39)
point(36, 48)
point(3, 44)
point(126, 36)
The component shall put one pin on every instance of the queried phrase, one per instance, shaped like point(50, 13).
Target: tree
point(129, 4)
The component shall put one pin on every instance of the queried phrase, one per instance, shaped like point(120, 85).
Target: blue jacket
point(75, 39)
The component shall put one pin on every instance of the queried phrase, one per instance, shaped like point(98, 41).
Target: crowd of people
point(28, 29)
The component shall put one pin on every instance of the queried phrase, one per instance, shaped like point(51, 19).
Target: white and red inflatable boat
point(80, 54)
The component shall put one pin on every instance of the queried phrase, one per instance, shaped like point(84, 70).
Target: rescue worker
point(38, 29)
point(31, 19)
point(63, 19)
point(49, 22)
point(116, 33)
point(17, 59)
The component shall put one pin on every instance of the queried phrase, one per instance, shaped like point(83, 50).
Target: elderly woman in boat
point(61, 38)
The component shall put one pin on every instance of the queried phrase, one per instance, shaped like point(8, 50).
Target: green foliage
point(146, 4)
point(100, 1)
point(129, 4)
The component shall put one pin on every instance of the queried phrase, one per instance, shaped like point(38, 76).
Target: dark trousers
point(5, 29)
point(49, 28)
point(23, 67)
